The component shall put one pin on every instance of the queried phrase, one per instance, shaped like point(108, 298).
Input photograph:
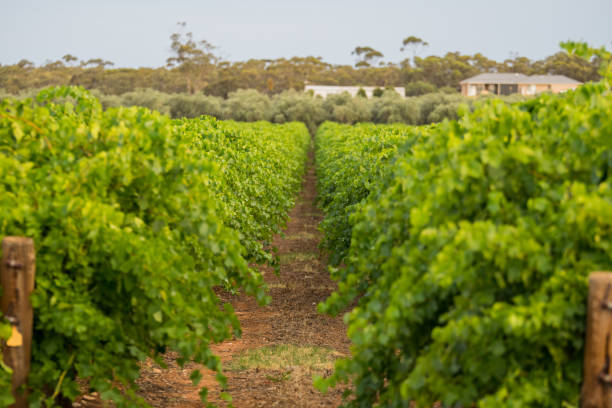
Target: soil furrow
point(283, 344)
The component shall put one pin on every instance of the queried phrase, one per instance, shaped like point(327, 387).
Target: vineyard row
point(466, 247)
point(137, 220)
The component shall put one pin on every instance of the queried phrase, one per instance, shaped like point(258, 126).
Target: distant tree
point(413, 43)
point(517, 64)
point(484, 64)
point(571, 66)
point(97, 63)
point(378, 92)
point(362, 93)
point(367, 56)
point(69, 59)
point(443, 71)
point(193, 67)
point(187, 51)
point(26, 64)
point(195, 59)
point(54, 65)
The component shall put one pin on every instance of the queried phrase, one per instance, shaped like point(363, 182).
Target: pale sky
point(134, 33)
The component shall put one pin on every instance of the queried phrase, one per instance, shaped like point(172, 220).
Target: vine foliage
point(134, 228)
point(468, 261)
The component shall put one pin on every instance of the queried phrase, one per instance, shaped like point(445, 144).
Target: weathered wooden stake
point(17, 281)
point(597, 384)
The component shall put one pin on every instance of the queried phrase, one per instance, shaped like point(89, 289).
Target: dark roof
point(515, 78)
point(551, 79)
point(495, 78)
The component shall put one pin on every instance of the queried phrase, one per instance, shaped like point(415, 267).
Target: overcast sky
point(134, 33)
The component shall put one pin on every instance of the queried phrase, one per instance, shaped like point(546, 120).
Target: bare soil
point(291, 318)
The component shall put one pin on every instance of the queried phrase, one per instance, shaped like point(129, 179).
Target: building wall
point(523, 89)
point(472, 89)
point(543, 88)
point(326, 90)
point(527, 89)
point(556, 88)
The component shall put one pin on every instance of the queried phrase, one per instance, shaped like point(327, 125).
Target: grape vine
point(468, 260)
point(135, 224)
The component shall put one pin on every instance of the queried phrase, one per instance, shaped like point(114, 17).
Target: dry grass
point(283, 357)
point(296, 257)
point(302, 236)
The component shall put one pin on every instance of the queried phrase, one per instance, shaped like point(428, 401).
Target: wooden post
point(17, 280)
point(597, 385)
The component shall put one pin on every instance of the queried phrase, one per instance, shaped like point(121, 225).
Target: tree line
point(195, 67)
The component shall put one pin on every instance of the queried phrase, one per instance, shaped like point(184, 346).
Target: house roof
point(496, 78)
point(551, 79)
point(516, 78)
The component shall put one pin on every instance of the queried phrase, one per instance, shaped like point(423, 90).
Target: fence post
point(17, 280)
point(597, 385)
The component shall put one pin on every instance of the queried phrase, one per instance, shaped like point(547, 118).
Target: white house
point(326, 90)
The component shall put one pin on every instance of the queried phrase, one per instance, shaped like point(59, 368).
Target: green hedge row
point(136, 218)
point(468, 259)
point(351, 162)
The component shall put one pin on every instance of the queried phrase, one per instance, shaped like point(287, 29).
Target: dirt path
point(282, 344)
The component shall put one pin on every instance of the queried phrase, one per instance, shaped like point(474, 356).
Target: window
point(529, 90)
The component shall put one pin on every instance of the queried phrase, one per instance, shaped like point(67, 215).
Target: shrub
point(295, 106)
point(419, 88)
point(378, 92)
point(392, 108)
point(247, 105)
point(148, 98)
point(345, 109)
point(192, 106)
